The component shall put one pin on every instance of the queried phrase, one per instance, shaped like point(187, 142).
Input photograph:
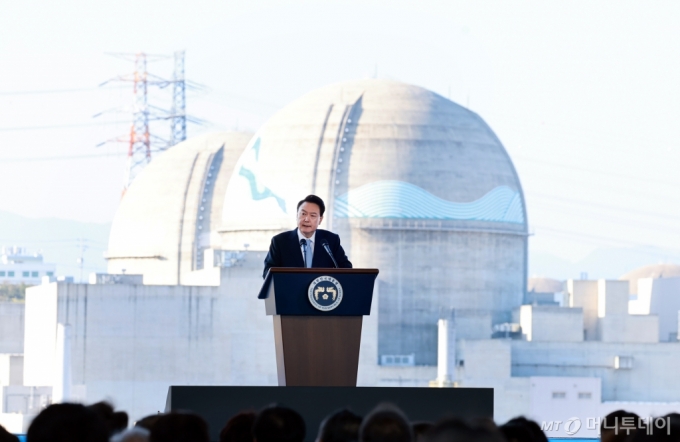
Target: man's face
point(309, 218)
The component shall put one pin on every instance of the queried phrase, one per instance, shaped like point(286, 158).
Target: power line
point(215, 96)
point(61, 158)
point(61, 126)
point(619, 221)
point(56, 91)
point(636, 190)
point(598, 172)
point(47, 240)
point(76, 266)
point(583, 136)
point(588, 238)
point(206, 94)
point(603, 206)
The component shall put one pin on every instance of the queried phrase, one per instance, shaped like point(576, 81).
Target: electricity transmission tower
point(142, 143)
point(179, 101)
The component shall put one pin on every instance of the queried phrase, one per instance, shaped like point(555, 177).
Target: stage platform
point(217, 404)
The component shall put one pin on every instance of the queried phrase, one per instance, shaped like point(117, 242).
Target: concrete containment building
point(171, 213)
point(415, 185)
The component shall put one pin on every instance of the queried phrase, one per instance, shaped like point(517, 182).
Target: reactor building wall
point(415, 185)
point(167, 217)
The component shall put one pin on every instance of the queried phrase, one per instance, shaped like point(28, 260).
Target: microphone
point(326, 247)
point(303, 244)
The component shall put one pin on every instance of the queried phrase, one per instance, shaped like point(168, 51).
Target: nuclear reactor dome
point(173, 209)
point(416, 186)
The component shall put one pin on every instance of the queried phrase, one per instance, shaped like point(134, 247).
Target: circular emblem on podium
point(325, 293)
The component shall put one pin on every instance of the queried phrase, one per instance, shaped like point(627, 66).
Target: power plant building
point(416, 186)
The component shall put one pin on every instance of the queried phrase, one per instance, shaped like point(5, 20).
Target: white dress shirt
point(310, 244)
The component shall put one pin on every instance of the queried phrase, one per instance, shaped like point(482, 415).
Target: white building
point(17, 266)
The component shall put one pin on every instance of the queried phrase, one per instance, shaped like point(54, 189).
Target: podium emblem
point(325, 293)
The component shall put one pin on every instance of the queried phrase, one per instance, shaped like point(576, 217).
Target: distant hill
point(59, 240)
point(606, 263)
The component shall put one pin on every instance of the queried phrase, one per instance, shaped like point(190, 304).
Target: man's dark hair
point(421, 430)
point(521, 429)
point(279, 424)
point(386, 423)
point(652, 430)
point(115, 421)
point(119, 421)
point(147, 422)
point(673, 419)
point(6, 436)
point(67, 423)
point(613, 428)
point(316, 200)
point(179, 427)
point(239, 428)
point(103, 409)
point(459, 430)
point(615, 417)
point(341, 426)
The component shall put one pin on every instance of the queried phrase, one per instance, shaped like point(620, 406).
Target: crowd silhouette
point(276, 423)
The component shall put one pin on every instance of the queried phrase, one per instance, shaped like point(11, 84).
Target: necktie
point(308, 254)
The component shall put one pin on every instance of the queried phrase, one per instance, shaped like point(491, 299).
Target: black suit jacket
point(285, 251)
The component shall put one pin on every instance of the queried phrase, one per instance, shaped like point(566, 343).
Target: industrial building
point(18, 266)
point(416, 186)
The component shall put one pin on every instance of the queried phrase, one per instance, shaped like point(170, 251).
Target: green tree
point(13, 292)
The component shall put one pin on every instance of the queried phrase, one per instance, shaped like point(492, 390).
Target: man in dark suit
point(306, 245)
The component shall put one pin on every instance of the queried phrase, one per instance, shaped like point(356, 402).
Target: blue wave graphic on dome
point(398, 199)
point(249, 175)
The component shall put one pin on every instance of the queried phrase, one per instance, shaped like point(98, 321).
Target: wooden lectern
point(317, 323)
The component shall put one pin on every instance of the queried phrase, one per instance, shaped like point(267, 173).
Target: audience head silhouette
point(460, 430)
point(99, 422)
point(341, 426)
point(617, 426)
point(421, 430)
point(67, 423)
point(521, 429)
point(386, 423)
point(135, 434)
point(279, 424)
point(179, 427)
point(239, 428)
point(6, 436)
point(116, 421)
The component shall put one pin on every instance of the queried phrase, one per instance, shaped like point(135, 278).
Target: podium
point(317, 323)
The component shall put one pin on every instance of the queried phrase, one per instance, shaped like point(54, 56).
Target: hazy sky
point(585, 96)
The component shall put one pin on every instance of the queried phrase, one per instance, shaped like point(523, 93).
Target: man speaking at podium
point(307, 246)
